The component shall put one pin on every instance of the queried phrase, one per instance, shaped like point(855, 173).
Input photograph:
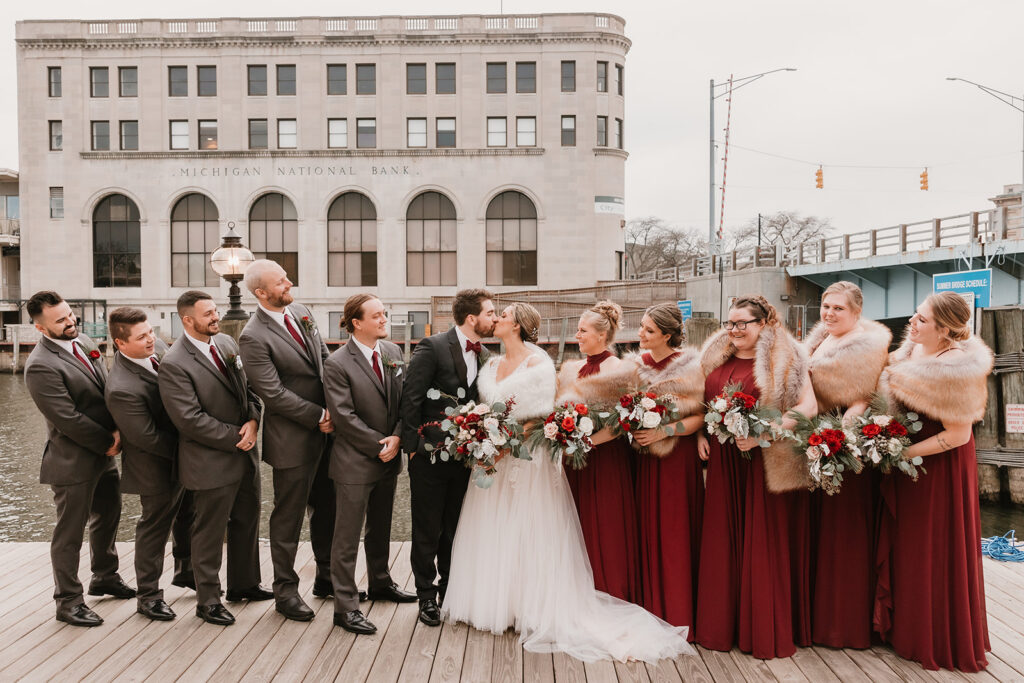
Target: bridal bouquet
point(645, 410)
point(734, 414)
point(830, 449)
point(566, 433)
point(883, 435)
point(476, 435)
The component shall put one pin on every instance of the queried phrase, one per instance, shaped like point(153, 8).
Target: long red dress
point(930, 598)
point(754, 573)
point(670, 500)
point(603, 491)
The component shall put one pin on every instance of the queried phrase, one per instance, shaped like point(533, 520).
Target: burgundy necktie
point(155, 363)
point(218, 362)
point(79, 356)
point(475, 347)
point(376, 368)
point(294, 333)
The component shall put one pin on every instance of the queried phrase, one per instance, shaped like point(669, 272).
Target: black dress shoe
point(429, 612)
point(79, 615)
point(115, 587)
point(157, 610)
point(391, 593)
point(215, 614)
point(295, 609)
point(254, 594)
point(354, 622)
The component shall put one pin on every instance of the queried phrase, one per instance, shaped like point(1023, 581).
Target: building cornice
point(611, 152)
point(322, 153)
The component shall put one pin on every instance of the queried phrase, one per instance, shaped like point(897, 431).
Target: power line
point(865, 166)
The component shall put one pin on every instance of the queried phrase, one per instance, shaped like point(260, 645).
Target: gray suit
point(85, 483)
point(208, 409)
point(364, 411)
point(288, 379)
point(149, 445)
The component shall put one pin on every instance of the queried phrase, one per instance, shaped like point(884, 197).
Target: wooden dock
point(263, 646)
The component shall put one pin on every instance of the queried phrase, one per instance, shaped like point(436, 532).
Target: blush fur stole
point(682, 378)
point(848, 371)
point(780, 371)
point(602, 389)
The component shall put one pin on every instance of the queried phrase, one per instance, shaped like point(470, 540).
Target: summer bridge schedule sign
point(976, 282)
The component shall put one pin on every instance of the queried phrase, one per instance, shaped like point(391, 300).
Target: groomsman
point(148, 460)
point(65, 376)
point(284, 358)
point(205, 391)
point(447, 361)
point(364, 393)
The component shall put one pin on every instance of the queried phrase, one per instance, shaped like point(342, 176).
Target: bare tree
point(784, 228)
point(651, 243)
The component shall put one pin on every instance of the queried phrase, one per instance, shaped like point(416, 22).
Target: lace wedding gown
point(519, 561)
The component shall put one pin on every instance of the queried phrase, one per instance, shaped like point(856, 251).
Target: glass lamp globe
point(231, 259)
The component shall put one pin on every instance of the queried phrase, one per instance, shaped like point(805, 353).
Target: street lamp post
point(230, 261)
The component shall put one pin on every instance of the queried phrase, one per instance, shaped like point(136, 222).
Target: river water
point(26, 506)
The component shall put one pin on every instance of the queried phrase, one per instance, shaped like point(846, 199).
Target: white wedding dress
point(519, 559)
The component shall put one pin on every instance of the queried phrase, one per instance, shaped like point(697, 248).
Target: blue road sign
point(977, 281)
point(686, 308)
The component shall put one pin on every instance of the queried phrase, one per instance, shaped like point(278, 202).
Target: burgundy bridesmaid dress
point(603, 491)
point(670, 501)
point(930, 598)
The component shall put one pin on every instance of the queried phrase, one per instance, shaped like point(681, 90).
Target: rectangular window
point(337, 133)
point(53, 78)
point(618, 134)
point(285, 79)
point(416, 79)
point(56, 202)
point(496, 131)
point(620, 79)
point(177, 81)
point(208, 134)
point(337, 79)
point(129, 135)
point(366, 79)
point(257, 78)
point(526, 131)
point(526, 76)
point(569, 76)
point(444, 78)
point(602, 77)
point(366, 133)
point(100, 135)
point(568, 131)
point(496, 77)
point(56, 136)
point(128, 81)
point(179, 134)
point(602, 131)
point(416, 132)
point(445, 132)
point(258, 134)
point(287, 134)
point(99, 81)
point(207, 78)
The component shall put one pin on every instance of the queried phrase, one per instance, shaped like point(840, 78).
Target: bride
point(518, 559)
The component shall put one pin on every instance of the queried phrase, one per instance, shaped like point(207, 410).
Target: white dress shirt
point(470, 357)
point(368, 353)
point(204, 348)
point(279, 317)
point(69, 347)
point(146, 362)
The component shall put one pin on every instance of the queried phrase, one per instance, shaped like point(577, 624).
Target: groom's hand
point(390, 449)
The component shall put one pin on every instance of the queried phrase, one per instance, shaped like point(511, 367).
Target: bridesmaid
point(930, 600)
point(848, 354)
point(670, 481)
point(753, 580)
point(603, 490)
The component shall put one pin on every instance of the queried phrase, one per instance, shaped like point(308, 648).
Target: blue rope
point(1003, 548)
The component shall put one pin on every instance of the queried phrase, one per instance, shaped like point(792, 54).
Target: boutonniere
point(393, 366)
point(91, 349)
point(308, 325)
point(234, 360)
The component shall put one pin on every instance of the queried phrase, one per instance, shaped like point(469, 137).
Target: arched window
point(511, 240)
point(195, 234)
point(352, 242)
point(116, 243)
point(430, 241)
point(274, 232)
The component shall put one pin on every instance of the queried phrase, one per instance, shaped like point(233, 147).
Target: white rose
point(721, 405)
point(550, 430)
point(488, 449)
point(482, 409)
point(647, 403)
point(586, 426)
point(491, 424)
point(499, 439)
point(814, 453)
point(651, 420)
point(881, 420)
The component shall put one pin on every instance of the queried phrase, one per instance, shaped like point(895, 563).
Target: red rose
point(581, 409)
point(551, 418)
point(896, 429)
point(472, 417)
point(659, 409)
point(871, 430)
point(459, 419)
point(625, 426)
point(651, 395)
point(814, 439)
point(461, 450)
point(626, 401)
point(305, 318)
point(94, 354)
point(749, 402)
point(568, 424)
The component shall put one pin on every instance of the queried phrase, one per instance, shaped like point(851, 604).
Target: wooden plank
point(394, 649)
point(1006, 644)
point(664, 671)
point(451, 652)
point(691, 668)
point(567, 669)
point(631, 672)
point(476, 666)
point(785, 669)
point(841, 665)
point(1010, 338)
point(753, 670)
point(720, 665)
point(423, 649)
point(33, 588)
point(602, 671)
point(812, 666)
point(18, 557)
point(538, 667)
point(1000, 670)
point(872, 665)
point(507, 659)
point(908, 671)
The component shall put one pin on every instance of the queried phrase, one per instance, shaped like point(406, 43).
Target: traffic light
point(820, 178)
point(924, 179)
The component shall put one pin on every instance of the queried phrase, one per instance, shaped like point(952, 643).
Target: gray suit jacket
point(79, 428)
point(364, 412)
point(149, 441)
point(288, 380)
point(208, 410)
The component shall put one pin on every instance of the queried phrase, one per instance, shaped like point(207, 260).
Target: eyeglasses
point(739, 324)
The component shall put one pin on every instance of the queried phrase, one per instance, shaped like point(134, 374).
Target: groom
point(446, 361)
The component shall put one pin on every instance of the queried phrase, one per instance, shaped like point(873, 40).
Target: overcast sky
point(870, 91)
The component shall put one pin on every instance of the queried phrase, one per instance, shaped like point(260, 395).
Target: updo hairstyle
point(528, 319)
point(605, 316)
point(854, 297)
point(951, 311)
point(760, 307)
point(669, 320)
